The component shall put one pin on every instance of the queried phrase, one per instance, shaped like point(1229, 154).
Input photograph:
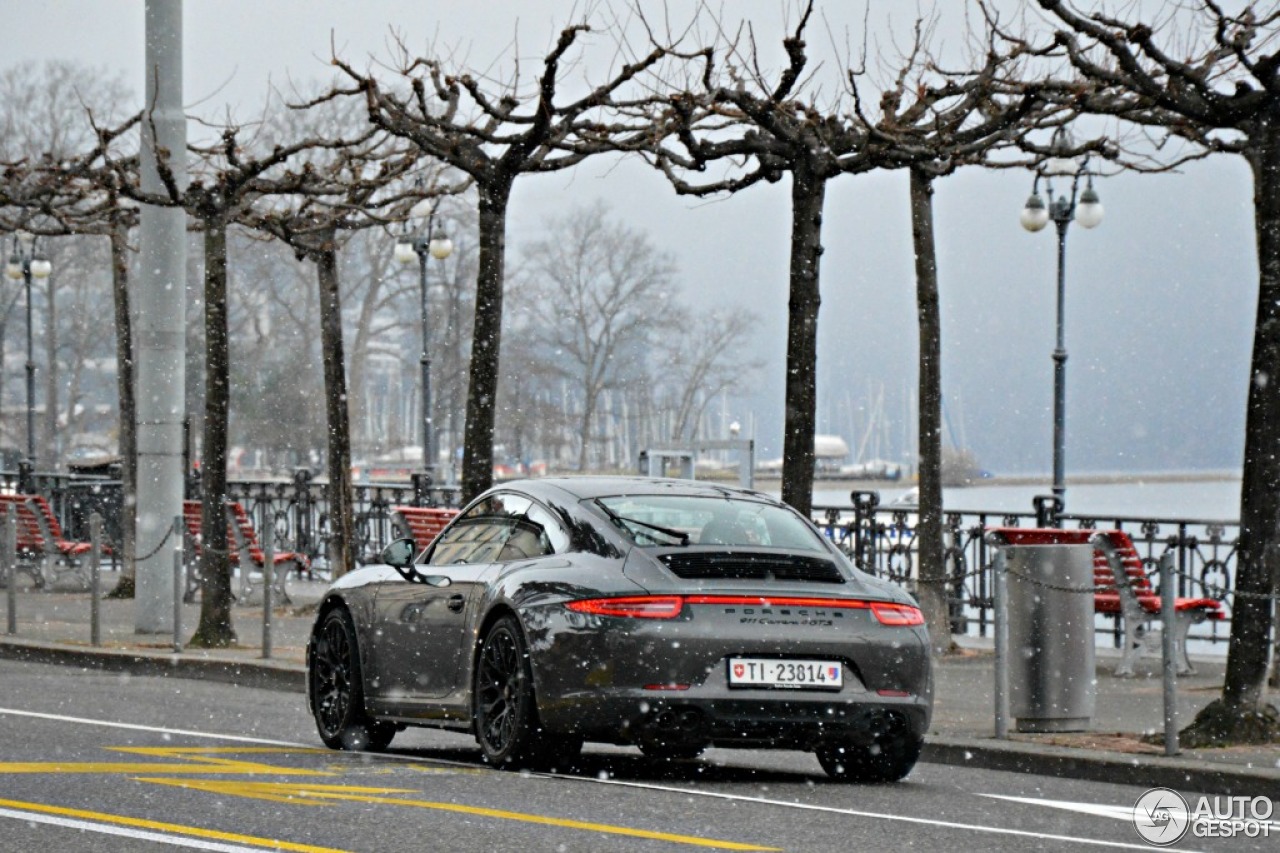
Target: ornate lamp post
point(1085, 208)
point(427, 244)
point(27, 262)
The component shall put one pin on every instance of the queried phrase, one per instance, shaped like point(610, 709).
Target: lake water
point(1215, 497)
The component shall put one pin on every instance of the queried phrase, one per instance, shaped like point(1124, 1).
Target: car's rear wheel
point(337, 692)
point(506, 712)
point(890, 757)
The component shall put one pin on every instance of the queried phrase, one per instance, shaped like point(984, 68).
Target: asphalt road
point(94, 761)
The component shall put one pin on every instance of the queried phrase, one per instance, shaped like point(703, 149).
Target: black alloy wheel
point(506, 714)
point(889, 758)
point(337, 695)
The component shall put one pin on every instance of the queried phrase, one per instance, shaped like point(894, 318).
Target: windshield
point(678, 520)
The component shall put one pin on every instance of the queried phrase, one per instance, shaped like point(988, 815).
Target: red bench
point(420, 523)
point(42, 549)
point(243, 539)
point(1135, 600)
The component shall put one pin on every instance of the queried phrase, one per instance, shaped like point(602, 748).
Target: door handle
point(455, 603)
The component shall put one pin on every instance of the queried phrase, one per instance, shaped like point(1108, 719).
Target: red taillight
point(778, 601)
point(896, 614)
point(634, 606)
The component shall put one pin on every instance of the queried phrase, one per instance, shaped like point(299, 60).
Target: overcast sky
point(1160, 297)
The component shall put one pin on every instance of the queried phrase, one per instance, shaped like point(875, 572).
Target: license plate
point(786, 674)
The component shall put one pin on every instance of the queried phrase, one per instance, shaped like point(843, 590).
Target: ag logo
point(1161, 817)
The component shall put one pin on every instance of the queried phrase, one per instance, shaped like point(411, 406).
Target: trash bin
point(1051, 670)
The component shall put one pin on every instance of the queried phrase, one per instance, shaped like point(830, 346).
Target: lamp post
point(26, 262)
point(1083, 207)
point(425, 245)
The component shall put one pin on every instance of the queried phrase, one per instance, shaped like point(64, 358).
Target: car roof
point(589, 487)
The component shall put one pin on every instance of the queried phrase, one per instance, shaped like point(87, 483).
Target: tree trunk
point(128, 437)
point(482, 392)
point(932, 563)
point(215, 629)
point(1242, 715)
point(341, 515)
point(1251, 618)
point(589, 404)
point(807, 191)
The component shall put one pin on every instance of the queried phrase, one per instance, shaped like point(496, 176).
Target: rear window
point(679, 520)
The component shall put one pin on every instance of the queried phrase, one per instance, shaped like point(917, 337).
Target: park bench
point(421, 524)
point(43, 551)
point(1133, 599)
point(242, 539)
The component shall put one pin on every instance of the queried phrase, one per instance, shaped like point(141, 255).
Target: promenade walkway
point(54, 627)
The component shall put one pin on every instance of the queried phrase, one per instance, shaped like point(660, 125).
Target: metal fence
point(880, 540)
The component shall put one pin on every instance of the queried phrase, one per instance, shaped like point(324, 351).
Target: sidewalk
point(53, 627)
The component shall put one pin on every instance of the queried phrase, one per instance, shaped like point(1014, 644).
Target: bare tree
point(1212, 79)
point(932, 122)
point(363, 185)
point(704, 357)
point(493, 135)
point(737, 115)
point(597, 292)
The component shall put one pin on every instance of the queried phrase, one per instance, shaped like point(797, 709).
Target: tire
point(337, 691)
point(888, 759)
point(670, 751)
point(505, 711)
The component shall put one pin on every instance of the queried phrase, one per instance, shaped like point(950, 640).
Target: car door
point(423, 630)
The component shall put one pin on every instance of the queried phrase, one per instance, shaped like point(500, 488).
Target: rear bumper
point(631, 680)
point(760, 722)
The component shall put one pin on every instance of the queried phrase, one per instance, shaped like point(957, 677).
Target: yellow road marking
point(198, 761)
point(178, 829)
point(279, 792)
point(307, 794)
point(203, 761)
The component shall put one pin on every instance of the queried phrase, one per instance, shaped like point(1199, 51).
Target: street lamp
point(26, 262)
point(1085, 208)
point(423, 246)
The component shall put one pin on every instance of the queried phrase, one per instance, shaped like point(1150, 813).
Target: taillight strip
point(670, 606)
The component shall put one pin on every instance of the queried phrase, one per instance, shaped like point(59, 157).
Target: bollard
point(95, 580)
point(177, 585)
point(268, 578)
point(10, 546)
point(1168, 648)
point(1000, 605)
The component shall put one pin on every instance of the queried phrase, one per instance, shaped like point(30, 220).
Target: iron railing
point(881, 540)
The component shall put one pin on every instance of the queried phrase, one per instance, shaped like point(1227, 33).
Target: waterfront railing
point(880, 540)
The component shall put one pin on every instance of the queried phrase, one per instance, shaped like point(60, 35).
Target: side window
point(477, 540)
point(502, 528)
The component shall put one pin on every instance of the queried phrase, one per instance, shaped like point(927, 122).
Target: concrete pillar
point(160, 337)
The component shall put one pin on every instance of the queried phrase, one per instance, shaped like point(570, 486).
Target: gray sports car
point(672, 615)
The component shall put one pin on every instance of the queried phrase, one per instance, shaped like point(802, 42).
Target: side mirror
point(399, 554)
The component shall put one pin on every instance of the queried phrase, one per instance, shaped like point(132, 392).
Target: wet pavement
point(54, 627)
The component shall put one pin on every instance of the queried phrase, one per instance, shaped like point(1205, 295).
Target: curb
point(1149, 771)
point(264, 674)
point(1145, 770)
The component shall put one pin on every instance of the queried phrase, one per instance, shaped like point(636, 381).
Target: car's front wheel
point(337, 693)
point(506, 713)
